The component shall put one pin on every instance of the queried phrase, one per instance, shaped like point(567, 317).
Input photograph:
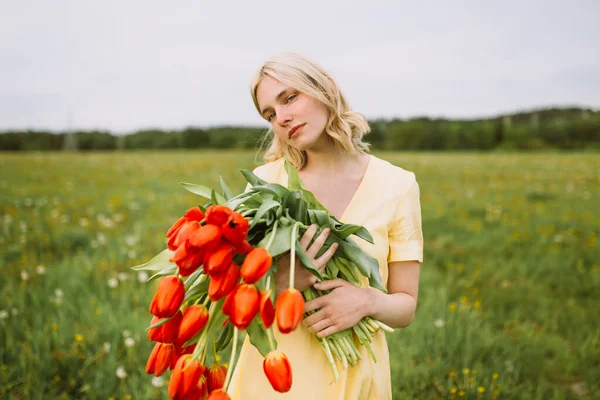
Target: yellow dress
point(387, 204)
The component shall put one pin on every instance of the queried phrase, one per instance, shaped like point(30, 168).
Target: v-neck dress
point(387, 203)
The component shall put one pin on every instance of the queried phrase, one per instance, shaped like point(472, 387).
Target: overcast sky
point(127, 65)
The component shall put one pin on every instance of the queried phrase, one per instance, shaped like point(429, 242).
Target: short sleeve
point(405, 234)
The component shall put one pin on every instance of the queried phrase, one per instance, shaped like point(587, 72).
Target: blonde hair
point(345, 128)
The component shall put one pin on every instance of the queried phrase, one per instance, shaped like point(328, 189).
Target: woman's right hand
point(303, 278)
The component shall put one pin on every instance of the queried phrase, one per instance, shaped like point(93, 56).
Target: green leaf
point(263, 209)
point(227, 193)
point(224, 337)
point(258, 336)
point(198, 289)
point(281, 242)
point(306, 261)
point(273, 188)
point(159, 262)
point(251, 178)
point(213, 197)
point(297, 207)
point(294, 181)
point(203, 191)
point(366, 264)
point(165, 272)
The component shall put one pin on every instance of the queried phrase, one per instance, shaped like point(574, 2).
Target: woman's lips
point(295, 131)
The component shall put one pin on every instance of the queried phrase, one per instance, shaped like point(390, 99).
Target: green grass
point(507, 297)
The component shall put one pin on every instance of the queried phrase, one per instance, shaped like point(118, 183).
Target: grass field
point(509, 285)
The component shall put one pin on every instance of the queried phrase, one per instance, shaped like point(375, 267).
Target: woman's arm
point(346, 304)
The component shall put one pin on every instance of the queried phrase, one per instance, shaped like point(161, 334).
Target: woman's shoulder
point(269, 170)
point(393, 176)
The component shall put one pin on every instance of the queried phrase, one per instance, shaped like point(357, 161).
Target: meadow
point(509, 283)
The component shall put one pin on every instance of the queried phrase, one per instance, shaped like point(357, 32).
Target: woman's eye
point(270, 116)
point(291, 98)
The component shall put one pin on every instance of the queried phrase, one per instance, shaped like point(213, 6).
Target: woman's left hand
point(340, 309)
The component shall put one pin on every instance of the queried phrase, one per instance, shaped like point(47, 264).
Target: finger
point(330, 284)
point(308, 235)
point(319, 326)
point(325, 257)
point(314, 304)
point(314, 318)
point(318, 243)
point(328, 331)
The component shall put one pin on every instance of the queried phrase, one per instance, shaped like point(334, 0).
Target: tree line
point(550, 128)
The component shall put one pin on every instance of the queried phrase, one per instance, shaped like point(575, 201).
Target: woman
point(315, 129)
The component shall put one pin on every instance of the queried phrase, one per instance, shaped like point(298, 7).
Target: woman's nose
point(283, 117)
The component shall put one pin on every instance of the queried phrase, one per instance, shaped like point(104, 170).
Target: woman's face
point(296, 118)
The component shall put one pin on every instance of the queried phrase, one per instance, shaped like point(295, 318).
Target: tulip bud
point(236, 228)
point(219, 259)
point(200, 390)
point(227, 304)
point(255, 265)
point(243, 248)
point(160, 359)
point(267, 311)
point(206, 238)
point(216, 377)
point(182, 234)
point(187, 258)
point(167, 332)
point(193, 214)
point(217, 214)
point(289, 309)
point(278, 371)
point(222, 284)
point(219, 394)
point(168, 297)
point(193, 320)
point(244, 305)
point(185, 377)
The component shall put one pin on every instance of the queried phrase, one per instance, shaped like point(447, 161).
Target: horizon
point(113, 67)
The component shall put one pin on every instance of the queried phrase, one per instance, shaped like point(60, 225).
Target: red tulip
point(193, 214)
point(219, 394)
point(216, 377)
point(200, 391)
point(236, 228)
point(167, 332)
point(187, 258)
point(207, 238)
point(243, 248)
point(193, 320)
point(227, 304)
point(222, 284)
point(267, 311)
point(168, 297)
point(244, 305)
point(185, 377)
point(289, 309)
point(183, 233)
point(160, 359)
point(179, 351)
point(217, 215)
point(219, 259)
point(255, 265)
point(278, 370)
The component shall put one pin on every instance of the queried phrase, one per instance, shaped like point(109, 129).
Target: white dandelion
point(113, 283)
point(40, 269)
point(121, 373)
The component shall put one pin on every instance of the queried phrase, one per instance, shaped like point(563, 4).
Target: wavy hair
point(345, 128)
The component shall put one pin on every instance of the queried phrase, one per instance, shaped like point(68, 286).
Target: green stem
point(231, 359)
point(293, 254)
point(271, 345)
point(273, 232)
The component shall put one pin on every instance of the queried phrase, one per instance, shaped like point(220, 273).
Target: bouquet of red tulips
point(216, 279)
